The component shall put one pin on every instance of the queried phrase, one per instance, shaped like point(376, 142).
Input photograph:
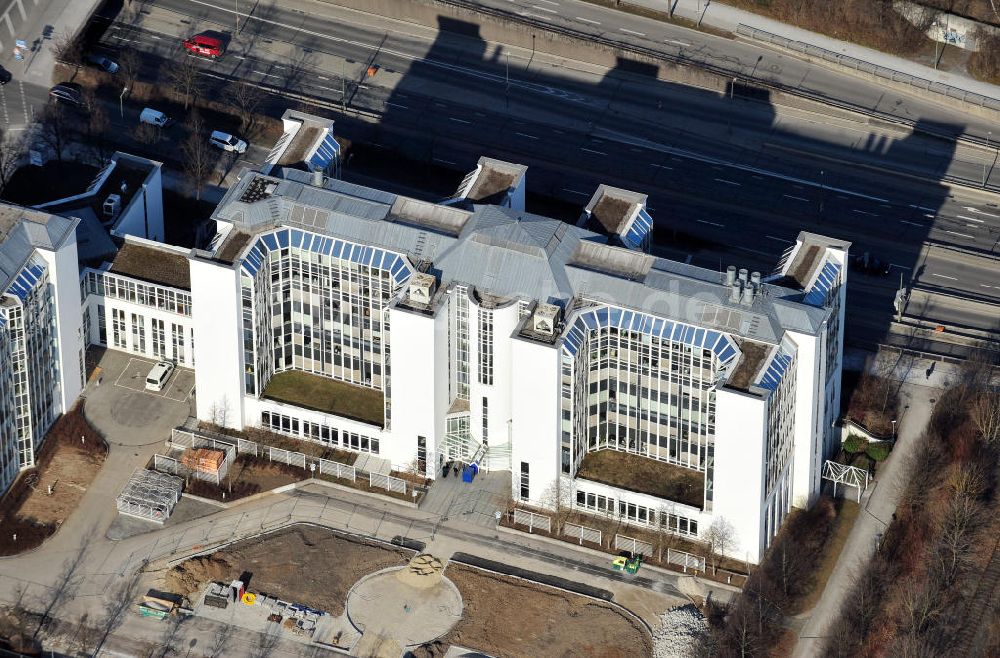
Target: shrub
point(878, 451)
point(855, 443)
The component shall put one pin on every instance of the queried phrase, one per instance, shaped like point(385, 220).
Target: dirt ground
point(508, 617)
point(70, 472)
point(304, 564)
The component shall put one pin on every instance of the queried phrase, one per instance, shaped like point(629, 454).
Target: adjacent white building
point(594, 373)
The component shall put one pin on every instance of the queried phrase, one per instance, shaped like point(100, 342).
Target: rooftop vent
point(257, 189)
point(112, 206)
point(545, 318)
point(421, 288)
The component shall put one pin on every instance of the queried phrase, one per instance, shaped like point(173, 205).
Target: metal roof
point(22, 230)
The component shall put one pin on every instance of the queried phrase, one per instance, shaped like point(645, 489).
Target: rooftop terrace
point(644, 475)
point(748, 366)
point(303, 389)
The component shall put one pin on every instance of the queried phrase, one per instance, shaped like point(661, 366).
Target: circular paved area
point(399, 604)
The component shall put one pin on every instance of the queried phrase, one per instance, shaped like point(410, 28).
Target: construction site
point(323, 588)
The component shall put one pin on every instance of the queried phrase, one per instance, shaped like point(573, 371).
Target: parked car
point(105, 64)
point(5, 76)
point(67, 92)
point(227, 142)
point(158, 376)
point(154, 117)
point(204, 45)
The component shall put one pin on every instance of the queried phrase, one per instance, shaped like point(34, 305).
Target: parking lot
point(178, 387)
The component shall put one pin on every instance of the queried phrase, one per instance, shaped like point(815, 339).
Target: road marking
point(944, 276)
point(776, 238)
point(566, 189)
point(153, 36)
point(705, 221)
point(656, 166)
point(582, 148)
point(916, 207)
point(546, 9)
point(675, 41)
point(270, 75)
point(528, 14)
point(458, 120)
point(587, 20)
point(913, 223)
point(525, 135)
point(969, 219)
point(325, 88)
point(902, 267)
point(443, 161)
point(321, 77)
point(961, 235)
point(729, 182)
point(864, 212)
point(550, 2)
point(627, 31)
point(396, 105)
point(797, 198)
point(980, 212)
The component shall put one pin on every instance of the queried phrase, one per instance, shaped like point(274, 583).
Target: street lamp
point(893, 429)
point(121, 102)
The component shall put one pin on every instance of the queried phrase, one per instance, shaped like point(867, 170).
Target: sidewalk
point(724, 17)
point(42, 25)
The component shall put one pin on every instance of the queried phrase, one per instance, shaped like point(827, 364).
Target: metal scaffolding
point(150, 495)
point(851, 476)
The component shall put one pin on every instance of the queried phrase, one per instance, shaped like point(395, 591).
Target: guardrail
point(868, 68)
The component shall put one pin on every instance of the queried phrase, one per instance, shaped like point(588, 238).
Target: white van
point(159, 375)
point(154, 117)
point(227, 142)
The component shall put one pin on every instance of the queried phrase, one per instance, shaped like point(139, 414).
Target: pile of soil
point(509, 617)
point(303, 564)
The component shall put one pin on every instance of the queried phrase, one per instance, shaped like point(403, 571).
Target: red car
point(203, 45)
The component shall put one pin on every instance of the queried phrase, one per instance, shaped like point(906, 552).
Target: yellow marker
point(249, 598)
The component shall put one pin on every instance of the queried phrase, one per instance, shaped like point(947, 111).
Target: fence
point(337, 470)
point(287, 457)
point(245, 447)
point(532, 520)
point(184, 440)
point(623, 543)
point(582, 533)
point(874, 70)
point(686, 560)
point(387, 482)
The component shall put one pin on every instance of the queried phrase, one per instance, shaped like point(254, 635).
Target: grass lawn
point(644, 475)
point(309, 391)
point(847, 512)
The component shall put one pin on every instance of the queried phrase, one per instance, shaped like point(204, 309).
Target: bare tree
point(267, 642)
point(985, 414)
point(54, 129)
point(64, 588)
point(117, 599)
point(98, 125)
point(558, 498)
point(11, 150)
point(220, 641)
point(955, 544)
point(68, 49)
point(246, 98)
point(184, 78)
point(198, 166)
point(129, 66)
point(721, 537)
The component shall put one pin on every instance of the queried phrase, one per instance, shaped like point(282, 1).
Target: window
point(138, 333)
point(118, 328)
point(525, 489)
point(633, 512)
point(485, 346)
point(486, 421)
point(422, 454)
point(679, 524)
point(159, 339)
point(177, 331)
point(595, 502)
point(102, 329)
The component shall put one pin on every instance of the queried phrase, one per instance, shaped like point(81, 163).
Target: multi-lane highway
point(727, 177)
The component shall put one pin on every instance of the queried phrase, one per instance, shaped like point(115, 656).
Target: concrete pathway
point(878, 504)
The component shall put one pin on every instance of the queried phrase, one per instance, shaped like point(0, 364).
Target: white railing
point(686, 560)
point(623, 543)
point(387, 482)
point(532, 520)
point(582, 533)
point(165, 464)
point(337, 470)
point(287, 457)
point(245, 447)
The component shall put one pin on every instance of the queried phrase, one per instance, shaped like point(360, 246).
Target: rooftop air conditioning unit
point(112, 206)
point(422, 287)
point(545, 318)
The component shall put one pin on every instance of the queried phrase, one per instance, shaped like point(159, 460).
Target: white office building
point(594, 373)
point(41, 341)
